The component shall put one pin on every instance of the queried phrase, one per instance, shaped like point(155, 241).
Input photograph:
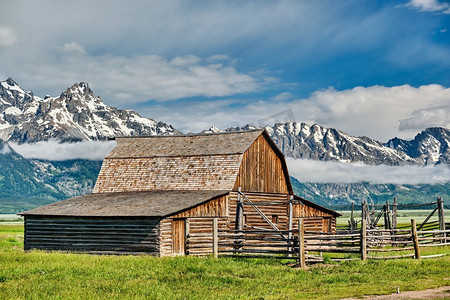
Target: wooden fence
point(310, 247)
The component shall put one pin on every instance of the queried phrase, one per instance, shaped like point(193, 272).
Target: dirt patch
point(437, 293)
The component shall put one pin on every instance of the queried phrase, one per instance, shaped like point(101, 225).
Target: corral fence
point(312, 247)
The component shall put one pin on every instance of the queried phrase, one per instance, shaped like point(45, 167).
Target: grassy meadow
point(52, 275)
point(403, 216)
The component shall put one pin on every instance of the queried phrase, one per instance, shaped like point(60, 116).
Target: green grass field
point(403, 216)
point(44, 275)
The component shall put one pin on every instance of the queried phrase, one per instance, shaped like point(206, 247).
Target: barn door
point(178, 227)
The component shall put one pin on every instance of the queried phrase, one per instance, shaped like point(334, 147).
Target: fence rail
point(309, 246)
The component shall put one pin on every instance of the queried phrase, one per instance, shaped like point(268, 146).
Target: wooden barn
point(152, 192)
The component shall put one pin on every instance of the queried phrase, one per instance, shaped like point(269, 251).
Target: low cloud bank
point(337, 172)
point(54, 150)
point(5, 149)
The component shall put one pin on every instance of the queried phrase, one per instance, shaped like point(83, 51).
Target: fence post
point(301, 244)
point(440, 205)
point(394, 213)
point(415, 239)
point(352, 219)
point(215, 238)
point(239, 219)
point(186, 236)
point(291, 214)
point(363, 239)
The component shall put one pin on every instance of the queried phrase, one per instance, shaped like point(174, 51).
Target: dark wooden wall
point(261, 170)
point(92, 234)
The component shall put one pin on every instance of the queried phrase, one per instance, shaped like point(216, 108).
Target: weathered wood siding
point(318, 224)
point(280, 210)
point(261, 170)
point(216, 172)
point(199, 235)
point(92, 234)
point(213, 208)
point(278, 213)
point(302, 210)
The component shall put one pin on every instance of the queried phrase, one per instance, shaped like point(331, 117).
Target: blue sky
point(375, 68)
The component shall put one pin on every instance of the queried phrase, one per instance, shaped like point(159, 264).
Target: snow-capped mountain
point(431, 146)
point(77, 114)
point(300, 140)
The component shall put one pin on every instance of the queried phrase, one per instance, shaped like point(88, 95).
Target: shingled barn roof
point(127, 204)
point(188, 162)
point(186, 145)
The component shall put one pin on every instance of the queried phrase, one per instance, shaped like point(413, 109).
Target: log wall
point(317, 224)
point(92, 234)
point(199, 238)
point(261, 170)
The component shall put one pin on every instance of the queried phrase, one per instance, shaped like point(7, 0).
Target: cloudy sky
point(374, 68)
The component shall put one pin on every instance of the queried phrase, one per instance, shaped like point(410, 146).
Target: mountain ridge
point(302, 141)
point(75, 115)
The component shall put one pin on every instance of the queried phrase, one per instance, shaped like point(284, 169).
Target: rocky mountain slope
point(77, 114)
point(431, 146)
point(27, 183)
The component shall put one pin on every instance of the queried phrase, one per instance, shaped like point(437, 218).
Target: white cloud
point(142, 77)
point(53, 150)
point(7, 37)
point(427, 117)
point(282, 96)
point(430, 5)
point(5, 149)
point(73, 47)
point(337, 172)
point(378, 112)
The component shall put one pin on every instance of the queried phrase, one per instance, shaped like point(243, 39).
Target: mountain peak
point(81, 88)
point(77, 114)
point(431, 146)
point(11, 82)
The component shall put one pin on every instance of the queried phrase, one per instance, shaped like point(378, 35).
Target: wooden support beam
point(363, 239)
point(352, 219)
point(440, 205)
point(290, 221)
point(239, 211)
point(394, 213)
point(215, 238)
point(301, 244)
point(186, 236)
point(427, 218)
point(415, 239)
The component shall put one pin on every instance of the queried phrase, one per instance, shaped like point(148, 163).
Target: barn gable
point(263, 168)
point(194, 162)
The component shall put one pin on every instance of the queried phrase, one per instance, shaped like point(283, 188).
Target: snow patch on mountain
point(76, 115)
